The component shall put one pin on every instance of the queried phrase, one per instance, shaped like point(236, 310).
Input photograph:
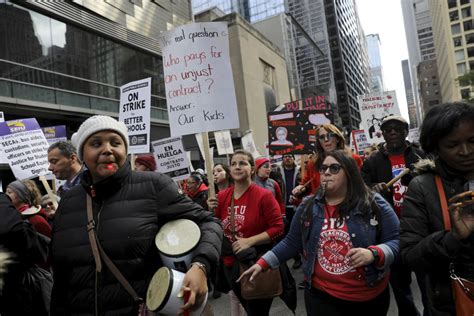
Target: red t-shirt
point(333, 273)
point(256, 211)
point(398, 190)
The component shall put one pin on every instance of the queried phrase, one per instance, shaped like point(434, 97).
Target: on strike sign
point(23, 145)
point(135, 114)
point(198, 78)
point(171, 159)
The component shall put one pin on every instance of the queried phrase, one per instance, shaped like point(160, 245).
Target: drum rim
point(168, 292)
point(179, 255)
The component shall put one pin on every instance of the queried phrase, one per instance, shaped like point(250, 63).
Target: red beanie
point(148, 161)
point(260, 162)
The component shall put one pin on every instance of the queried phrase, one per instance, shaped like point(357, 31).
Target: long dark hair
point(227, 174)
point(358, 194)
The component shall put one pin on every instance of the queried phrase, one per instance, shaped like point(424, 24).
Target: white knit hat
point(96, 124)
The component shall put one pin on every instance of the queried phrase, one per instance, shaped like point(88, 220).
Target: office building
point(375, 63)
point(409, 94)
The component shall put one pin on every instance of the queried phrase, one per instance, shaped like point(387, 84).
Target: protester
point(393, 156)
point(49, 207)
point(257, 223)
point(291, 177)
point(349, 236)
point(222, 177)
point(145, 163)
point(128, 209)
point(262, 179)
point(329, 138)
point(369, 151)
point(447, 133)
point(197, 190)
point(25, 247)
point(65, 165)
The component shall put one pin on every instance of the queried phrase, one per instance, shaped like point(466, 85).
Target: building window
point(457, 41)
point(470, 38)
point(452, 3)
point(465, 93)
point(460, 55)
point(466, 12)
point(454, 15)
point(465, 2)
point(461, 68)
point(470, 51)
point(467, 25)
point(455, 29)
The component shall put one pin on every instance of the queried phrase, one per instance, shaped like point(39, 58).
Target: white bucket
point(176, 241)
point(163, 295)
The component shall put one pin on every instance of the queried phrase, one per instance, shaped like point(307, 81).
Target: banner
point(55, 134)
point(359, 141)
point(295, 131)
point(23, 145)
point(224, 142)
point(171, 159)
point(135, 108)
point(248, 144)
point(198, 78)
point(373, 109)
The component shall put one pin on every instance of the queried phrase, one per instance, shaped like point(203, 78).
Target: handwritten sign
point(171, 159)
point(134, 112)
point(55, 134)
point(316, 102)
point(248, 144)
point(23, 145)
point(198, 78)
point(373, 109)
point(224, 142)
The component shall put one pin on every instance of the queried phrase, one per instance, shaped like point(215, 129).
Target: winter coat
point(25, 247)
point(425, 245)
point(294, 182)
point(200, 196)
point(303, 237)
point(377, 168)
point(129, 208)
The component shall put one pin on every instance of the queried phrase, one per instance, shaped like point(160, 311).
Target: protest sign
point(55, 134)
point(414, 135)
point(23, 145)
point(171, 159)
point(248, 144)
point(188, 154)
point(2, 118)
point(295, 131)
point(359, 141)
point(135, 108)
point(224, 142)
point(373, 109)
point(198, 78)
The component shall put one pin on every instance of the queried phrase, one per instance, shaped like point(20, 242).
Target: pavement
point(221, 306)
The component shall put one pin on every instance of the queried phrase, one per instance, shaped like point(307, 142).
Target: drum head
point(159, 289)
point(178, 237)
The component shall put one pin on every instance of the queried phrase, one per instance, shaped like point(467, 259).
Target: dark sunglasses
point(334, 168)
point(389, 128)
point(327, 136)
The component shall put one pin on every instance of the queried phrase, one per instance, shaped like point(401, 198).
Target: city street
point(221, 306)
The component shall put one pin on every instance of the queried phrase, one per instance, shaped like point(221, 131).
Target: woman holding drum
point(251, 219)
point(128, 208)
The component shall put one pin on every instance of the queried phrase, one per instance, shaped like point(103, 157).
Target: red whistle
point(110, 166)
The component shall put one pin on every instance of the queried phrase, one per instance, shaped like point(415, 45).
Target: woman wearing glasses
point(329, 138)
point(348, 236)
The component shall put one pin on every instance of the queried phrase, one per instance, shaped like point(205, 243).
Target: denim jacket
point(362, 231)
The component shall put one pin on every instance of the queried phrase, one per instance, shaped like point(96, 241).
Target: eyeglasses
point(389, 128)
point(327, 136)
point(334, 168)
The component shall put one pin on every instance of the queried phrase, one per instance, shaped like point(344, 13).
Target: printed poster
point(135, 109)
point(295, 131)
point(224, 142)
point(359, 141)
point(373, 109)
point(248, 144)
point(55, 134)
point(171, 159)
point(198, 78)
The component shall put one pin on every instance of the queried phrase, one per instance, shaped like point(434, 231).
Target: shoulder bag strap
point(444, 203)
point(108, 262)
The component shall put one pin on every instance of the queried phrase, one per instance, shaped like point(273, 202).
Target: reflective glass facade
point(44, 59)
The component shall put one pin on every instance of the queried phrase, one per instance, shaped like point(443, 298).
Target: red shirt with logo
point(256, 211)
point(333, 272)
point(398, 190)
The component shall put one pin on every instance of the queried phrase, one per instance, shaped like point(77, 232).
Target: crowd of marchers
point(356, 225)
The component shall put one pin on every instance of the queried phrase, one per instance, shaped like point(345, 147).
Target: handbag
point(267, 284)
point(463, 290)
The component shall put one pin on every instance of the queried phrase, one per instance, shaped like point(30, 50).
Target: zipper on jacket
point(96, 289)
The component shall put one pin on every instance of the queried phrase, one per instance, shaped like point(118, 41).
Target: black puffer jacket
point(424, 243)
point(378, 167)
point(129, 208)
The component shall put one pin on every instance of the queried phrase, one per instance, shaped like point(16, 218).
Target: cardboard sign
point(198, 78)
point(373, 109)
point(295, 131)
point(23, 145)
point(135, 108)
point(224, 142)
point(359, 141)
point(55, 134)
point(171, 159)
point(248, 144)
